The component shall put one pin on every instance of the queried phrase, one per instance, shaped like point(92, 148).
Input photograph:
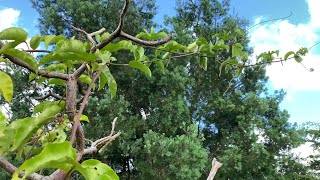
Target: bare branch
point(81, 87)
point(85, 99)
point(103, 142)
point(37, 50)
point(89, 36)
point(143, 42)
point(215, 166)
point(10, 168)
point(40, 72)
point(80, 70)
point(57, 96)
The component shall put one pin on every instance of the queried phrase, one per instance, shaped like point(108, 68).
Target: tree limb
point(103, 142)
point(215, 166)
point(115, 33)
point(85, 99)
point(57, 96)
point(143, 42)
point(40, 72)
point(10, 168)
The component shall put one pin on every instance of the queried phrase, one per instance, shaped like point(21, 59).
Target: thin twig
point(269, 21)
point(143, 42)
point(85, 99)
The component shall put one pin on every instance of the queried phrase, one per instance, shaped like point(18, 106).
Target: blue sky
point(301, 29)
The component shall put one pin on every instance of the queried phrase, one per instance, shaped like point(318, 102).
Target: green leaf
point(237, 50)
point(24, 56)
point(71, 46)
point(56, 81)
point(98, 38)
point(160, 64)
point(151, 36)
point(124, 44)
point(203, 61)
point(14, 33)
point(47, 104)
point(86, 79)
point(3, 121)
point(94, 169)
point(139, 54)
point(141, 66)
point(22, 130)
point(105, 35)
point(112, 84)
point(82, 118)
point(286, 56)
point(6, 86)
point(173, 46)
point(227, 63)
point(32, 76)
point(102, 81)
point(54, 155)
point(49, 39)
point(165, 56)
point(57, 67)
point(201, 41)
point(302, 51)
point(35, 41)
point(297, 58)
point(193, 47)
point(103, 55)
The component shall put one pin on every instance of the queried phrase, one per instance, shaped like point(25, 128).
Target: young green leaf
point(237, 50)
point(14, 33)
point(3, 121)
point(32, 76)
point(47, 104)
point(49, 39)
point(151, 36)
point(297, 58)
point(86, 79)
point(35, 41)
point(193, 47)
point(55, 81)
point(203, 61)
point(94, 169)
point(286, 56)
point(141, 66)
point(112, 84)
point(160, 64)
point(6, 86)
point(54, 155)
point(82, 118)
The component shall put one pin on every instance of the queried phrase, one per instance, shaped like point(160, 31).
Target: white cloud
point(304, 150)
point(285, 36)
point(8, 18)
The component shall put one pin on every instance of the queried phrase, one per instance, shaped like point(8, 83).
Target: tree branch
point(115, 33)
point(57, 96)
point(143, 42)
point(10, 168)
point(37, 50)
point(85, 99)
point(80, 70)
point(103, 142)
point(40, 72)
point(215, 166)
point(89, 36)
